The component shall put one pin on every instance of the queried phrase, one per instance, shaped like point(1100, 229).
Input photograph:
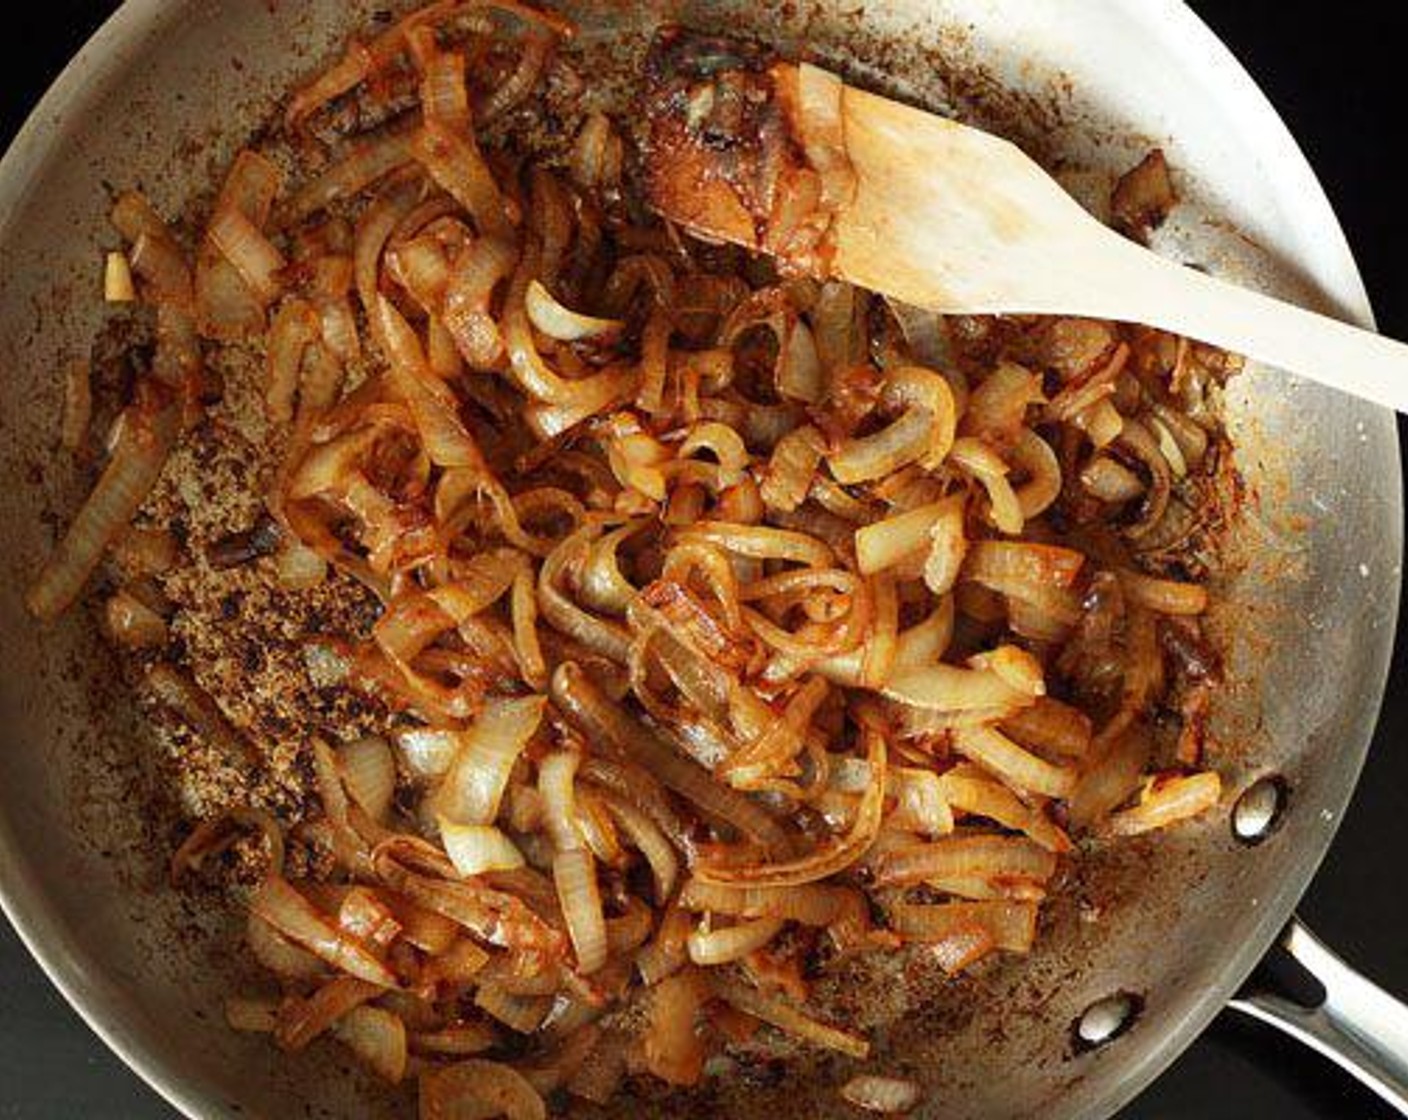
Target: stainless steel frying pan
point(1168, 927)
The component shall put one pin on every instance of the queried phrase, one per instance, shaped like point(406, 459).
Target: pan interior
point(170, 89)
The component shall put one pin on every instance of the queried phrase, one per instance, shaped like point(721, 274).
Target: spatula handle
point(1357, 1024)
point(1143, 287)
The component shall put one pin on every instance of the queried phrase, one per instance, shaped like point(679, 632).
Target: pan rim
point(22, 896)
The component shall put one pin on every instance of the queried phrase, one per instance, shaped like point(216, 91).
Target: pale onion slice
point(1111, 481)
point(727, 447)
point(884, 544)
point(921, 802)
point(863, 458)
point(1015, 765)
point(1033, 456)
point(762, 542)
point(1011, 924)
point(983, 856)
point(300, 1021)
point(1018, 562)
point(1020, 669)
point(1167, 801)
point(475, 783)
point(998, 406)
point(971, 793)
point(601, 584)
point(792, 468)
point(723, 945)
point(369, 772)
point(428, 751)
point(1101, 421)
point(378, 1038)
point(948, 547)
point(118, 286)
point(1164, 596)
point(650, 841)
point(281, 956)
point(253, 255)
point(574, 875)
point(977, 459)
point(557, 775)
point(252, 1014)
point(923, 433)
point(561, 323)
point(949, 688)
point(886, 1095)
point(476, 849)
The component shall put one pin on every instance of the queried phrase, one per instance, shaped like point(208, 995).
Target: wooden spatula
point(784, 159)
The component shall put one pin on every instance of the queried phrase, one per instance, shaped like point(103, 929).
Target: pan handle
point(1356, 1024)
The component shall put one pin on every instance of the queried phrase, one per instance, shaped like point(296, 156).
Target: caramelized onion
point(584, 704)
point(1164, 802)
point(1011, 925)
point(990, 857)
point(478, 1088)
point(709, 607)
point(827, 860)
point(674, 1052)
point(574, 873)
point(378, 1038)
point(779, 1013)
point(557, 322)
point(146, 433)
point(287, 911)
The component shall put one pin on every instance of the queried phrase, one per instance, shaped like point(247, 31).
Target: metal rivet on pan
point(1259, 810)
point(1106, 1019)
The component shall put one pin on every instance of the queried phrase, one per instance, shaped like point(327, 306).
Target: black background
point(1336, 72)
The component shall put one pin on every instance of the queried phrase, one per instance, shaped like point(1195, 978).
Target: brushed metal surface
point(1309, 622)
